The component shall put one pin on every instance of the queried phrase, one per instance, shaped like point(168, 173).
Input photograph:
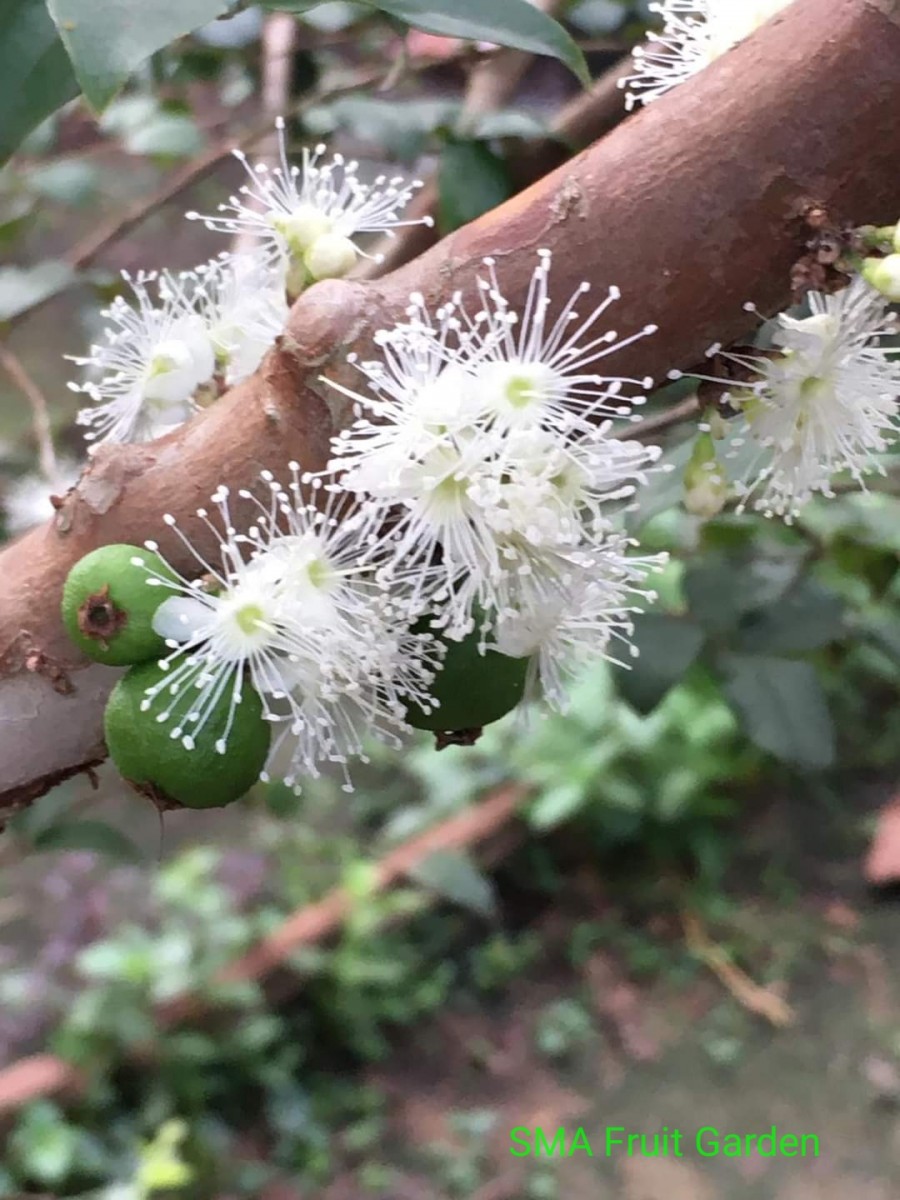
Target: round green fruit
point(472, 689)
point(108, 604)
point(160, 766)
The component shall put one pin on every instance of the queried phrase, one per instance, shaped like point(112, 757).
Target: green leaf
point(402, 128)
point(510, 123)
point(166, 135)
point(782, 707)
point(668, 645)
point(805, 618)
point(89, 835)
point(556, 805)
point(333, 15)
point(297, 6)
point(20, 288)
point(35, 75)
point(452, 875)
point(68, 180)
point(721, 589)
point(471, 180)
point(107, 39)
point(513, 23)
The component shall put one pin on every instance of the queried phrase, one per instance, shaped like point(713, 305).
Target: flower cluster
point(475, 495)
point(485, 446)
point(823, 400)
point(288, 608)
point(186, 334)
point(694, 34)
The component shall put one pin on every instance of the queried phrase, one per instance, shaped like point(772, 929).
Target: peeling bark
point(691, 207)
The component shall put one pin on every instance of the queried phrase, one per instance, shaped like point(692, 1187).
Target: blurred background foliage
point(769, 666)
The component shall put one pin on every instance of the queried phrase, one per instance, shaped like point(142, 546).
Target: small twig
point(279, 36)
point(40, 416)
point(398, 70)
point(761, 1001)
point(591, 114)
point(685, 410)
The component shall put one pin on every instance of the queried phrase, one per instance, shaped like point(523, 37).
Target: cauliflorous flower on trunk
point(588, 616)
point(474, 448)
point(144, 375)
point(288, 606)
point(242, 301)
point(309, 215)
point(824, 401)
point(694, 34)
point(538, 370)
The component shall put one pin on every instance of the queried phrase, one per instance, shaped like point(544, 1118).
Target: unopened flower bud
point(884, 275)
point(301, 227)
point(330, 257)
point(705, 486)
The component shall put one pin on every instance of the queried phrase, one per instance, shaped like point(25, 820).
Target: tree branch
point(691, 207)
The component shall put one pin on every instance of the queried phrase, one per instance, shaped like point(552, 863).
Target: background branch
point(40, 416)
point(583, 120)
point(690, 207)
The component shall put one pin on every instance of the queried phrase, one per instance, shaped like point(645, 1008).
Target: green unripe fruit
point(472, 689)
point(160, 765)
point(108, 604)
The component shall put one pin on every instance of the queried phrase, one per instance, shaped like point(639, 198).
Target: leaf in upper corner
point(514, 23)
point(36, 77)
point(107, 40)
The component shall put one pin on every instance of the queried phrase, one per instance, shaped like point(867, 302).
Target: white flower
point(824, 401)
point(154, 359)
point(243, 303)
point(580, 621)
point(694, 34)
point(289, 608)
point(533, 370)
point(309, 216)
point(474, 447)
point(26, 501)
point(220, 627)
point(362, 664)
point(705, 487)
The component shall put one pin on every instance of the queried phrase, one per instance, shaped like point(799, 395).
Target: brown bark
point(690, 207)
